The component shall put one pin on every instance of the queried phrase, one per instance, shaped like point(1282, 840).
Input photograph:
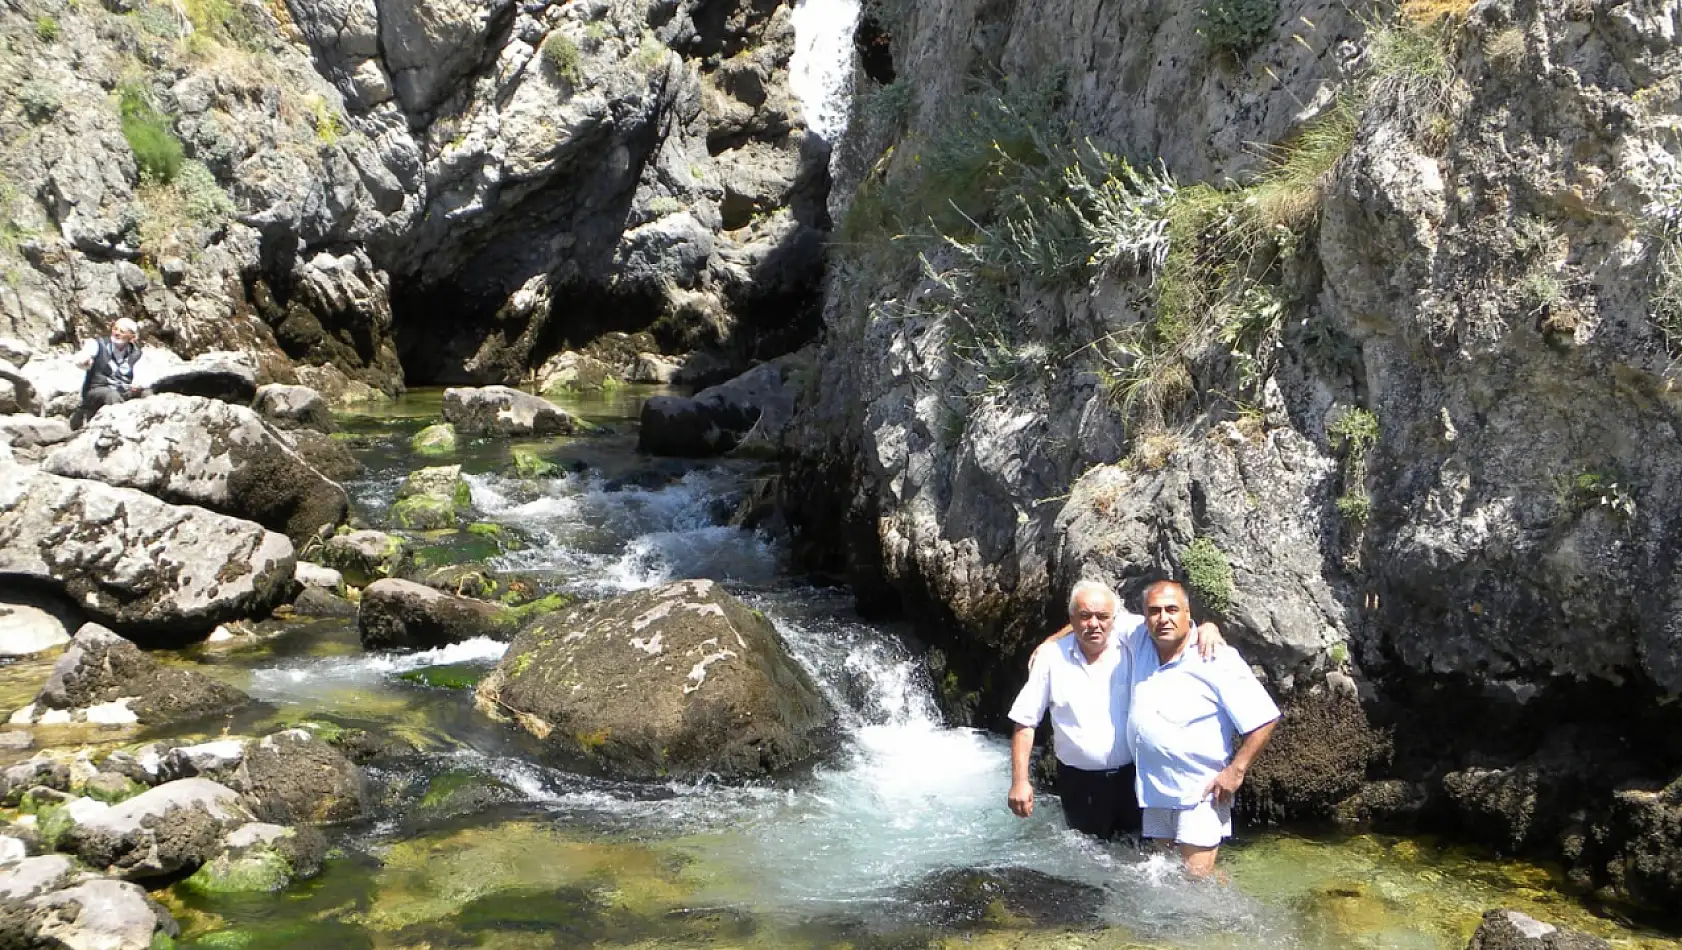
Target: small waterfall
point(821, 73)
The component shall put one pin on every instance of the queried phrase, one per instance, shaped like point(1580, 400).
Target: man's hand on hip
point(1225, 784)
point(1021, 799)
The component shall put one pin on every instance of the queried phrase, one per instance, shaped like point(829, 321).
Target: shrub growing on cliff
point(1236, 27)
point(157, 151)
point(46, 28)
point(562, 55)
point(1354, 432)
point(1208, 574)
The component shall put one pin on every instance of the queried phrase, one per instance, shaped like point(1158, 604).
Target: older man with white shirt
point(1085, 682)
point(1189, 712)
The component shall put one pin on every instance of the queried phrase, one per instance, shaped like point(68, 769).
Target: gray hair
point(125, 325)
point(1093, 587)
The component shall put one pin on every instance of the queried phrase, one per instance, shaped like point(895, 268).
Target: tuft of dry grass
point(1426, 12)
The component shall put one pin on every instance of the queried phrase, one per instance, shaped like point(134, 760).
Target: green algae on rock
point(452, 676)
point(439, 439)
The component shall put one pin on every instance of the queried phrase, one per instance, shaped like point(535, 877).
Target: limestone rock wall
point(310, 165)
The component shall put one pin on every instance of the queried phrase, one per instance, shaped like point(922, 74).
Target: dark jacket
point(112, 368)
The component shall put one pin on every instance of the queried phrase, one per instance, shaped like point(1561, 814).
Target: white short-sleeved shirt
point(1088, 701)
point(1186, 715)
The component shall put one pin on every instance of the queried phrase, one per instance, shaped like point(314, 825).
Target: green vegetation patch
point(150, 135)
point(437, 439)
point(451, 676)
point(562, 55)
point(259, 871)
point(1208, 574)
point(1236, 27)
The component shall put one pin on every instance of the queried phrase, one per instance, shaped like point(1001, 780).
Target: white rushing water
point(821, 72)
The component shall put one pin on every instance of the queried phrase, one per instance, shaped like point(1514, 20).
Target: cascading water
point(821, 72)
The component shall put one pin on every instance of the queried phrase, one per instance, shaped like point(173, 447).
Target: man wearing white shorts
point(1188, 713)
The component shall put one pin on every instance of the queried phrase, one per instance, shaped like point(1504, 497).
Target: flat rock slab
point(197, 451)
point(22, 430)
point(504, 411)
point(140, 565)
point(681, 680)
point(103, 673)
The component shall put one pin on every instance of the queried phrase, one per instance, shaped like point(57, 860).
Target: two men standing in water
point(1154, 724)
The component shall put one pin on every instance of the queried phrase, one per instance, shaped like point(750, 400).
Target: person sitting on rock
point(110, 365)
point(1085, 682)
point(1188, 712)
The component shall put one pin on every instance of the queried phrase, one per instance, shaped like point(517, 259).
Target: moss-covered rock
point(432, 498)
point(258, 858)
point(529, 464)
point(450, 676)
point(679, 680)
point(366, 556)
point(424, 513)
point(435, 440)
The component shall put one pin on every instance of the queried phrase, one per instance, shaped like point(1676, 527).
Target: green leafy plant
point(46, 28)
point(39, 100)
point(1237, 27)
point(157, 151)
point(1354, 432)
point(1589, 490)
point(1208, 574)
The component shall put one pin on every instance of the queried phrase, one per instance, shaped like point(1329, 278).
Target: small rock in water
point(1510, 930)
point(503, 411)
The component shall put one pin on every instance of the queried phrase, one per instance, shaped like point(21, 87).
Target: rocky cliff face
point(1360, 320)
point(279, 178)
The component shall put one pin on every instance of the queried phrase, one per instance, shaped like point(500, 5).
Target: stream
point(899, 840)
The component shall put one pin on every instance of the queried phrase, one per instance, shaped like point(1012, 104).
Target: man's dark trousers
point(1101, 804)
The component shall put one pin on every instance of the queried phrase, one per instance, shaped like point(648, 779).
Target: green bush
point(1208, 574)
point(157, 151)
point(1237, 26)
point(562, 55)
point(46, 28)
point(202, 200)
point(39, 100)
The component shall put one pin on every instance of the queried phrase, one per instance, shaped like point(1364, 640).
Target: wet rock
point(502, 411)
point(432, 498)
point(105, 678)
point(716, 420)
point(327, 455)
point(197, 451)
point(1511, 930)
point(472, 580)
point(320, 602)
point(293, 407)
point(679, 680)
point(964, 897)
point(228, 377)
point(12, 851)
point(398, 614)
point(111, 787)
point(295, 777)
point(437, 439)
point(1635, 847)
point(366, 556)
point(1319, 756)
point(35, 620)
point(449, 676)
point(171, 828)
point(138, 564)
point(259, 858)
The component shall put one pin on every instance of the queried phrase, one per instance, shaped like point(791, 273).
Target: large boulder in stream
point(503, 411)
point(104, 678)
point(197, 451)
point(290, 777)
point(681, 680)
point(1511, 930)
point(142, 566)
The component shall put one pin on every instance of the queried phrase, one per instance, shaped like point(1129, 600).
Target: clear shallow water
point(474, 843)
